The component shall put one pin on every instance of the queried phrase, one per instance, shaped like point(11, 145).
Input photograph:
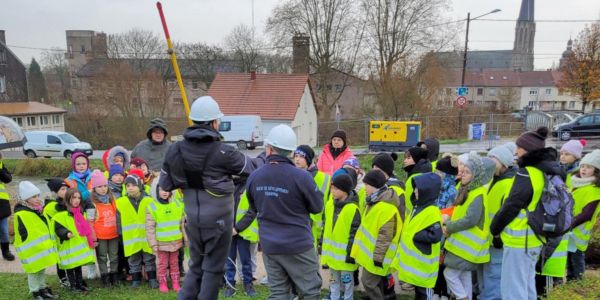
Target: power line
point(541, 21)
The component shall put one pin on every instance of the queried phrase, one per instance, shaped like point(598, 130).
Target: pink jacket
point(328, 165)
point(162, 246)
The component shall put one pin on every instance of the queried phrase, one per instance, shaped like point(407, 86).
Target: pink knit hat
point(98, 179)
point(574, 147)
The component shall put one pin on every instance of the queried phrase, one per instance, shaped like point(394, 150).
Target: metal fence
point(451, 126)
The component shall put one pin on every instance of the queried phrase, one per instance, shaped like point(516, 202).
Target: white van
point(53, 143)
point(243, 130)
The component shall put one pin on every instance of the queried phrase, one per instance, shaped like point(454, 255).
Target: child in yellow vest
point(59, 188)
point(570, 155)
point(75, 239)
point(164, 230)
point(586, 193)
point(341, 221)
point(32, 240)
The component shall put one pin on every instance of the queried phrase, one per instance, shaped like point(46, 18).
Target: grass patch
point(454, 141)
point(588, 288)
point(44, 167)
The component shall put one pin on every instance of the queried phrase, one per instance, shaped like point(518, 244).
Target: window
point(492, 92)
point(55, 119)
point(479, 91)
point(225, 126)
point(329, 87)
point(531, 104)
point(53, 140)
point(571, 104)
point(82, 49)
point(548, 91)
point(31, 121)
point(18, 120)
point(194, 85)
point(68, 138)
point(338, 88)
point(533, 92)
point(70, 51)
point(44, 120)
point(586, 120)
point(448, 91)
point(2, 57)
point(2, 84)
point(504, 91)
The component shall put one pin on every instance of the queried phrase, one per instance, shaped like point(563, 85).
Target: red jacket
point(328, 165)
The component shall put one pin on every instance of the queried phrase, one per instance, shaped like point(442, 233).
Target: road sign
point(462, 91)
point(461, 101)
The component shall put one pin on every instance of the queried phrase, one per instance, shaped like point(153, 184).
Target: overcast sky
point(42, 23)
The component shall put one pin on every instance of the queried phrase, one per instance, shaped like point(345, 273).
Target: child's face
point(461, 167)
point(118, 160)
point(499, 166)
point(520, 152)
point(369, 189)
point(101, 190)
point(62, 191)
point(34, 201)
point(567, 158)
point(81, 164)
point(586, 170)
point(117, 178)
point(466, 176)
point(338, 194)
point(163, 194)
point(300, 161)
point(75, 200)
point(132, 189)
point(408, 160)
point(144, 168)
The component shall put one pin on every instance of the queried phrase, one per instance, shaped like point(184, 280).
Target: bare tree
point(203, 60)
point(245, 45)
point(56, 72)
point(335, 39)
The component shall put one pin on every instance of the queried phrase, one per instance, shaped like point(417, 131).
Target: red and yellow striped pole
point(174, 62)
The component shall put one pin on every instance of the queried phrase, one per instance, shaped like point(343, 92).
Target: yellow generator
point(391, 136)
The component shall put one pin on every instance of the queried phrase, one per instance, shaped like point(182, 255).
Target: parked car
point(243, 130)
point(584, 125)
point(53, 144)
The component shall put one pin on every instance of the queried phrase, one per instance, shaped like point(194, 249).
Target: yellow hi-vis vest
point(408, 191)
point(518, 233)
point(556, 265)
point(336, 237)
point(50, 210)
point(496, 196)
point(133, 225)
point(3, 192)
point(362, 199)
point(37, 252)
point(323, 182)
point(583, 196)
point(367, 234)
point(414, 266)
point(250, 234)
point(472, 244)
point(75, 251)
point(168, 220)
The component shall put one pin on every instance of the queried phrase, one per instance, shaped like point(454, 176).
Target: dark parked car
point(584, 125)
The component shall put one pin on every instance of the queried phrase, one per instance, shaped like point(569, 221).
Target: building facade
point(13, 74)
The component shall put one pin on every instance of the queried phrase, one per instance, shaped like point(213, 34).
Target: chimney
point(253, 75)
point(99, 45)
point(2, 37)
point(300, 52)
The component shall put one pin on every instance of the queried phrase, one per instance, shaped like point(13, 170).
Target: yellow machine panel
point(393, 135)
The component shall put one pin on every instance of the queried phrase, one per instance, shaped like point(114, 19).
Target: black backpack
point(553, 215)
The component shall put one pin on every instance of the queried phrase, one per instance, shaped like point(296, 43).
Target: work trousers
point(518, 273)
point(108, 252)
point(300, 271)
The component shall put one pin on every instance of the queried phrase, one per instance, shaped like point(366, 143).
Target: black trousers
point(75, 277)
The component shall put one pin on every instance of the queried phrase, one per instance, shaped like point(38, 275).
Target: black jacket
point(337, 208)
point(5, 177)
point(428, 195)
point(248, 218)
point(20, 226)
point(422, 166)
point(433, 148)
point(61, 231)
point(521, 192)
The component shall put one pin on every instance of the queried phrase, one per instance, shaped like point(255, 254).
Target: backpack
point(553, 215)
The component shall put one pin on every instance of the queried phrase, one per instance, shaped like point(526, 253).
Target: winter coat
point(171, 246)
point(152, 153)
point(327, 164)
point(282, 197)
point(82, 186)
point(206, 183)
point(521, 193)
point(5, 177)
point(427, 197)
point(388, 230)
point(421, 167)
point(109, 157)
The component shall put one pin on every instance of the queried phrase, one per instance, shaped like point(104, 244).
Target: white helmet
point(282, 137)
point(205, 109)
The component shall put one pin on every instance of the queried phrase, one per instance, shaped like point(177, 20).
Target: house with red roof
point(276, 98)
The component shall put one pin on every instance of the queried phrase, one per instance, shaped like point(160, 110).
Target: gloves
point(378, 264)
point(497, 242)
point(350, 260)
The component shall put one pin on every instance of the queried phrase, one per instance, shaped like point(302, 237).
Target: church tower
point(524, 38)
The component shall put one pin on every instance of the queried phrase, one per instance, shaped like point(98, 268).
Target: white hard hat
point(205, 109)
point(282, 137)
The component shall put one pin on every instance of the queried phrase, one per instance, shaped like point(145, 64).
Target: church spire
point(527, 11)
point(524, 37)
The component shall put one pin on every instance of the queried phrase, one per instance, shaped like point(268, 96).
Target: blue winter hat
point(115, 169)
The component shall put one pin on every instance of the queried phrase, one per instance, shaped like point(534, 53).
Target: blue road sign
point(462, 91)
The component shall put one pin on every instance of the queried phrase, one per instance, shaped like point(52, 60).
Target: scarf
point(335, 152)
point(82, 175)
point(102, 198)
point(578, 182)
point(115, 187)
point(83, 228)
point(447, 192)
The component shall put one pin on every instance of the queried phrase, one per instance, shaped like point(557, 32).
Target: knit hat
point(76, 155)
point(448, 165)
point(352, 162)
point(512, 147)
point(133, 179)
point(137, 172)
point(55, 183)
point(574, 147)
point(115, 169)
point(503, 155)
point(463, 158)
point(592, 159)
point(350, 172)
point(138, 161)
point(375, 178)
point(385, 162)
point(418, 153)
point(341, 134)
point(156, 123)
point(98, 179)
point(343, 182)
point(307, 152)
point(533, 140)
point(27, 190)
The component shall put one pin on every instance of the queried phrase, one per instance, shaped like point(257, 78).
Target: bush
point(44, 167)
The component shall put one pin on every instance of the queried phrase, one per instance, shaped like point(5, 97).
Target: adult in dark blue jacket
point(283, 197)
